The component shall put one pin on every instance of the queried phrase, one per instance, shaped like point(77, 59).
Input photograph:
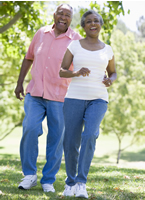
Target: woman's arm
point(64, 70)
point(112, 75)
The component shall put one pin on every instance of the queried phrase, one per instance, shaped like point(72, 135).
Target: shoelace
point(47, 186)
point(67, 187)
point(26, 178)
point(81, 186)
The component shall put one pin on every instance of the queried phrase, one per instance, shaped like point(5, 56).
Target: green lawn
point(106, 180)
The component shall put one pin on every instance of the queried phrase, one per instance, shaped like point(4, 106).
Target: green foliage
point(122, 27)
point(14, 42)
point(126, 107)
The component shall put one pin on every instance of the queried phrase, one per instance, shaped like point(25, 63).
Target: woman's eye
point(88, 22)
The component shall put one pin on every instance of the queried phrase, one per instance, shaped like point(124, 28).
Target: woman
point(86, 100)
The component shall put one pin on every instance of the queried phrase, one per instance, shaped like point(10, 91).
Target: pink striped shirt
point(47, 52)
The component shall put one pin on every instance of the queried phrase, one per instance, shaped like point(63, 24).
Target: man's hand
point(19, 92)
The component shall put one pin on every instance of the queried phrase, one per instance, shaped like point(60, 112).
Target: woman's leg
point(94, 113)
point(73, 116)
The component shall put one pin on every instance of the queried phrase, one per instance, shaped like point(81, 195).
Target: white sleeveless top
point(89, 87)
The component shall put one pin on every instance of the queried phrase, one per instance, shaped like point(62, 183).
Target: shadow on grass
point(101, 160)
point(126, 156)
point(129, 156)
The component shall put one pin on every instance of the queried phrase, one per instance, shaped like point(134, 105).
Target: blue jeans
point(36, 108)
point(82, 120)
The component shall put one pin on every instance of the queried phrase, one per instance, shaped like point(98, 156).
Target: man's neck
point(57, 32)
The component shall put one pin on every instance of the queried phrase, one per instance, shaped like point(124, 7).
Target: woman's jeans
point(36, 108)
point(82, 120)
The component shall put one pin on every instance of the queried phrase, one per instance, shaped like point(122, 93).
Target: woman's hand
point(111, 71)
point(83, 72)
point(107, 81)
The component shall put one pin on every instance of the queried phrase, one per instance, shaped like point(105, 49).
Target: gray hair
point(89, 12)
point(65, 5)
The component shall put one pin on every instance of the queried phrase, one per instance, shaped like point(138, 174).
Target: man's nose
point(63, 16)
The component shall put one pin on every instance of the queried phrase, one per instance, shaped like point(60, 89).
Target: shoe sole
point(27, 188)
point(68, 195)
point(82, 195)
point(48, 191)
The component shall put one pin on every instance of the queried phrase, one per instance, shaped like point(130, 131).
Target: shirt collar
point(68, 33)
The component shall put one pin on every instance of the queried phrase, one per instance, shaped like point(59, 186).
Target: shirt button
point(48, 57)
point(46, 67)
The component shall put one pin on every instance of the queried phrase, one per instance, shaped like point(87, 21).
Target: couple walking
point(71, 96)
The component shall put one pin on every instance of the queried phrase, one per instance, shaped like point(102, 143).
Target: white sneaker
point(69, 191)
point(81, 190)
point(28, 182)
point(48, 187)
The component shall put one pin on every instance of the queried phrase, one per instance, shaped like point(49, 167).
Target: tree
point(126, 111)
point(19, 22)
point(141, 26)
point(122, 27)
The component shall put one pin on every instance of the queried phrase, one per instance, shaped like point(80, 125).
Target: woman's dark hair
point(89, 12)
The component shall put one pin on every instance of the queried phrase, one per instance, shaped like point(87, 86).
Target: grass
point(104, 183)
point(106, 180)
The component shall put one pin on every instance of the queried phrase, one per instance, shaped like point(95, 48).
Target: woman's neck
point(91, 40)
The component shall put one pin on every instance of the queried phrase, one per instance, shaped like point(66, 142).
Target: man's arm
point(24, 70)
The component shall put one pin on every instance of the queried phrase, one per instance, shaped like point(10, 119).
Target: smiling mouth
point(62, 23)
point(93, 28)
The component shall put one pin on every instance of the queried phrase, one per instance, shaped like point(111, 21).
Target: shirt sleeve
point(110, 52)
point(71, 47)
point(30, 53)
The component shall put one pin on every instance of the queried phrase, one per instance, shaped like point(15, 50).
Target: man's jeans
point(36, 108)
point(82, 120)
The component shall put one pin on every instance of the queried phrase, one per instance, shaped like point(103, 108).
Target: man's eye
point(60, 13)
point(88, 22)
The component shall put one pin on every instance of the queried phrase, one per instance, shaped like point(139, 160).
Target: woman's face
point(92, 25)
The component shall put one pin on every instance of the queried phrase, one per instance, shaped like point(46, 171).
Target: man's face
point(62, 18)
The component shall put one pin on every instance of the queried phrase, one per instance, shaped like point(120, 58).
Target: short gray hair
point(65, 5)
point(89, 12)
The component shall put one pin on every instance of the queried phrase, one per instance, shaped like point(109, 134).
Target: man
point(45, 97)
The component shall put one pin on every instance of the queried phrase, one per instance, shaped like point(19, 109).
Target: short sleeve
point(72, 46)
point(110, 52)
point(30, 52)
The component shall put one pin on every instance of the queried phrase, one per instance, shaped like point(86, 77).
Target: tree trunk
point(119, 152)
point(118, 155)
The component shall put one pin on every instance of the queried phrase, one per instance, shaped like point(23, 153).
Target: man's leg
point(32, 128)
point(54, 149)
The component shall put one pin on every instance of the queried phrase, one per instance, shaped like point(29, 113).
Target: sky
point(137, 9)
